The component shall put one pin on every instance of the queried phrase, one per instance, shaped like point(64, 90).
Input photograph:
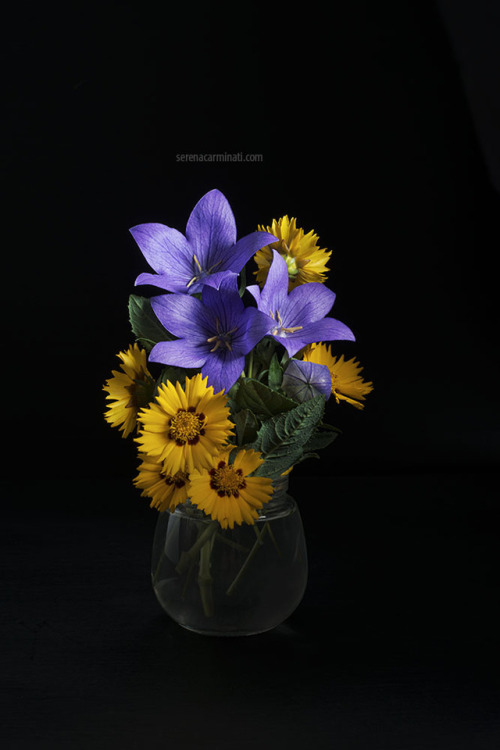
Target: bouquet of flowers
point(244, 371)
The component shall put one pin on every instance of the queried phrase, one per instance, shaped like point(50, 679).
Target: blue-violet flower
point(299, 317)
point(214, 333)
point(206, 255)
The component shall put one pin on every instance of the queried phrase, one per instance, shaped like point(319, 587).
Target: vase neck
point(280, 500)
point(280, 487)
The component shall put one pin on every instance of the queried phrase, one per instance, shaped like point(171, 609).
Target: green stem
point(273, 538)
point(258, 543)
point(232, 544)
point(190, 572)
point(250, 365)
point(205, 579)
point(157, 571)
point(189, 578)
point(188, 556)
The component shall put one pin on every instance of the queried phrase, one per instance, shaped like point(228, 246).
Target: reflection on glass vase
point(239, 581)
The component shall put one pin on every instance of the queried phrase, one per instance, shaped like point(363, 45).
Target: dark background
point(379, 127)
point(367, 136)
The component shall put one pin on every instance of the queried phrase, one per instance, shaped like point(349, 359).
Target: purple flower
point(299, 317)
point(214, 333)
point(305, 380)
point(205, 256)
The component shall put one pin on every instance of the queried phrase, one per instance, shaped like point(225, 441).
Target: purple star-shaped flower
point(214, 333)
point(299, 317)
point(205, 256)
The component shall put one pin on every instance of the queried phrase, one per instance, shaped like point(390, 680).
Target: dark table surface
point(393, 646)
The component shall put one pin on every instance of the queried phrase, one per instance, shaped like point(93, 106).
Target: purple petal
point(306, 304)
point(165, 249)
point(274, 294)
point(216, 279)
point(253, 327)
point(225, 305)
point(305, 380)
point(223, 369)
point(235, 257)
point(211, 228)
point(292, 342)
point(166, 281)
point(327, 329)
point(181, 353)
point(182, 315)
point(254, 290)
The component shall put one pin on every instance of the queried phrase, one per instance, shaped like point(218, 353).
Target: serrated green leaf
point(305, 457)
point(261, 400)
point(282, 438)
point(145, 325)
point(320, 439)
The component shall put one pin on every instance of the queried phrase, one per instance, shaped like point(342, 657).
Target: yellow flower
point(186, 426)
point(128, 390)
point(347, 384)
point(305, 260)
point(227, 493)
point(166, 491)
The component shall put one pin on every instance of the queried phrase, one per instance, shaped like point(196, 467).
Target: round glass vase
point(229, 582)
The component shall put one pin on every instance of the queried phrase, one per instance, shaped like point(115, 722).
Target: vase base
point(227, 633)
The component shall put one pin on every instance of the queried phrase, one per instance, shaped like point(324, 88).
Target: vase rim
point(277, 503)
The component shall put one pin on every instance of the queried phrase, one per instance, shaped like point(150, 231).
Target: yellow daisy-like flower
point(186, 426)
point(347, 384)
point(227, 493)
point(305, 260)
point(129, 390)
point(166, 491)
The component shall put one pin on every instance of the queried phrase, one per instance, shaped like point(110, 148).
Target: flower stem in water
point(258, 543)
point(191, 554)
point(205, 579)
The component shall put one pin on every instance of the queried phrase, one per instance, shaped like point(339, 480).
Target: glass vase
point(229, 582)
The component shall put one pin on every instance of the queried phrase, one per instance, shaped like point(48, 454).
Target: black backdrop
point(377, 125)
point(366, 136)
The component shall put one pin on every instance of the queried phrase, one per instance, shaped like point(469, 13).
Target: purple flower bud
point(305, 380)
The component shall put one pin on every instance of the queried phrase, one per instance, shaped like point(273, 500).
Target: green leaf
point(246, 426)
point(231, 399)
point(275, 373)
point(326, 426)
point(243, 281)
point(261, 400)
point(174, 374)
point(305, 457)
point(263, 353)
point(282, 438)
point(321, 438)
point(144, 393)
point(145, 325)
